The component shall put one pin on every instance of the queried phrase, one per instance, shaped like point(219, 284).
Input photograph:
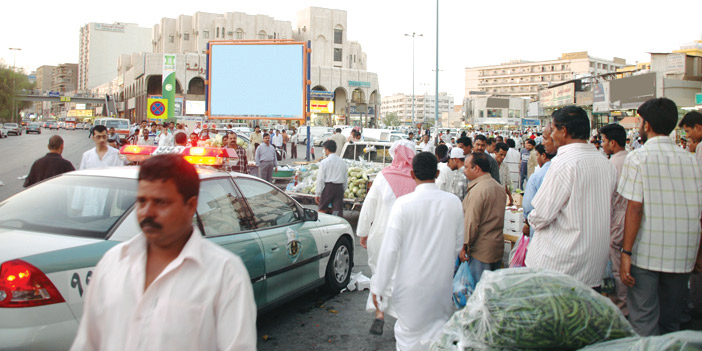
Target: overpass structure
point(107, 101)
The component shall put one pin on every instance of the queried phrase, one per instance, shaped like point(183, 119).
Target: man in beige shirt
point(340, 141)
point(613, 143)
point(484, 212)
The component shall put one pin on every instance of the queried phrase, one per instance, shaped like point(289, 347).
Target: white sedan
point(53, 234)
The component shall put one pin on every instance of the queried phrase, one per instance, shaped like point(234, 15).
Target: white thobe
point(445, 178)
point(372, 223)
point(420, 250)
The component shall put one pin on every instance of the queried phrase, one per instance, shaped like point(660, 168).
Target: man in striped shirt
point(663, 184)
point(572, 209)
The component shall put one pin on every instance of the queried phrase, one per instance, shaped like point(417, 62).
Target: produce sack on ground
point(686, 340)
point(527, 309)
point(463, 285)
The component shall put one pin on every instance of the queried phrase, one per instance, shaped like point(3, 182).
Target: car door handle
point(275, 248)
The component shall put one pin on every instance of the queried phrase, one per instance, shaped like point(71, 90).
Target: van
point(315, 131)
point(121, 125)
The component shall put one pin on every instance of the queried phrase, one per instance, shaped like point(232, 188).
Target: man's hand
point(698, 263)
point(625, 271)
point(463, 256)
point(375, 301)
point(275, 169)
point(364, 242)
point(525, 230)
point(317, 199)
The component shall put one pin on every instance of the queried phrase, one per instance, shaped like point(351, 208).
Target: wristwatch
point(625, 252)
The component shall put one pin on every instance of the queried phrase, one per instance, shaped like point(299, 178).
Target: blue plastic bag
point(463, 284)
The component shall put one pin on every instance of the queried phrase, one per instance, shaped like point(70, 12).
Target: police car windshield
point(70, 205)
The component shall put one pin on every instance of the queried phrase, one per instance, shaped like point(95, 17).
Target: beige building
point(337, 65)
point(44, 84)
point(65, 78)
point(100, 46)
point(524, 78)
point(424, 107)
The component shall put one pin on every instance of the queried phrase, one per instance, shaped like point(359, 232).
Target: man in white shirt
point(101, 155)
point(277, 140)
point(420, 254)
point(332, 180)
point(149, 293)
point(340, 141)
point(426, 145)
point(572, 209)
point(447, 171)
point(197, 129)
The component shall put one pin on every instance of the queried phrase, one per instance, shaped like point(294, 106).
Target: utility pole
point(14, 78)
point(436, 103)
point(413, 35)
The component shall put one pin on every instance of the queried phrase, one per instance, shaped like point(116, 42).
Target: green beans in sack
point(526, 309)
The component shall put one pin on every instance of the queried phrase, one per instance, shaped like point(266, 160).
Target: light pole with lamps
point(413, 35)
point(14, 61)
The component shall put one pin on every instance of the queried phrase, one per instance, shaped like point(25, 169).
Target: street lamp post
point(436, 104)
point(14, 61)
point(413, 35)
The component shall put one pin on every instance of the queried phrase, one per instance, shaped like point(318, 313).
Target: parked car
point(3, 131)
point(52, 125)
point(79, 125)
point(320, 139)
point(44, 124)
point(70, 126)
point(13, 128)
point(33, 127)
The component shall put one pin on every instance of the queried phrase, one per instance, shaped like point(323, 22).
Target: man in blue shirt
point(546, 151)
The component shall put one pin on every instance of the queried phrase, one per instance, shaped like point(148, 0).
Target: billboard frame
point(305, 76)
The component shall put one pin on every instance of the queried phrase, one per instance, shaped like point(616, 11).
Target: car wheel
point(339, 266)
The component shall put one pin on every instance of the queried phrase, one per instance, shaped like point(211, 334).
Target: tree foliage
point(8, 79)
point(391, 119)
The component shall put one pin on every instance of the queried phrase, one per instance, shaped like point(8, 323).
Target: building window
point(239, 34)
point(338, 34)
point(171, 38)
point(186, 36)
point(262, 35)
point(481, 113)
point(222, 32)
point(206, 34)
point(337, 55)
point(217, 35)
point(494, 113)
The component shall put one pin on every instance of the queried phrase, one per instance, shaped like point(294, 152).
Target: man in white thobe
point(420, 253)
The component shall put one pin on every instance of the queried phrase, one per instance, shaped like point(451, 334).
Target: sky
point(471, 33)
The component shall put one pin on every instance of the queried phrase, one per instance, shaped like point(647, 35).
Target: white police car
point(53, 234)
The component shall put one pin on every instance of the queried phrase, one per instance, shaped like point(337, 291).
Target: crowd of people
point(588, 202)
point(630, 201)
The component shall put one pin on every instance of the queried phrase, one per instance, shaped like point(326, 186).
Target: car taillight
point(23, 285)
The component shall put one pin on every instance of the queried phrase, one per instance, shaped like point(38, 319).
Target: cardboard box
point(514, 220)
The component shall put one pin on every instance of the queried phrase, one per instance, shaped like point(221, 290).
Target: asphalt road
point(314, 321)
point(19, 152)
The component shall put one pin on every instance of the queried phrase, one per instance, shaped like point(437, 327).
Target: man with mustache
point(168, 288)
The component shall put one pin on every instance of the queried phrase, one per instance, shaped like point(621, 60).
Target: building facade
point(65, 78)
point(100, 46)
point(525, 79)
point(496, 112)
point(44, 83)
point(424, 107)
point(339, 66)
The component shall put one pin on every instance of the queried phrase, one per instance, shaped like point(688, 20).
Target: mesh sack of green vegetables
point(686, 340)
point(526, 309)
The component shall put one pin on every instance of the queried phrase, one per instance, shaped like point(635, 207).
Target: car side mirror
point(310, 215)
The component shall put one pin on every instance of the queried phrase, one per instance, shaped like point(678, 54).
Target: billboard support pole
point(308, 115)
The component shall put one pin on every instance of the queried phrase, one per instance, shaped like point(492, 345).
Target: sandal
point(377, 327)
